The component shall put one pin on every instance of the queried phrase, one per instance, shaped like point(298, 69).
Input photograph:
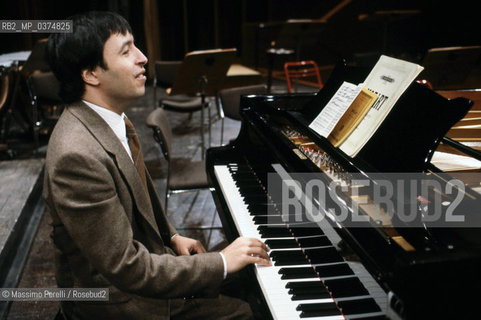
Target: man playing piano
point(109, 229)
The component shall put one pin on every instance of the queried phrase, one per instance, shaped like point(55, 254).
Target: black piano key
point(305, 224)
point(297, 273)
point(316, 306)
point(310, 310)
point(359, 306)
point(305, 231)
point(265, 219)
point(240, 172)
point(334, 270)
point(251, 187)
point(323, 255)
point(261, 209)
point(307, 290)
point(285, 254)
point(292, 218)
point(308, 294)
point(246, 178)
point(274, 232)
point(346, 287)
point(320, 241)
point(292, 262)
point(255, 198)
point(265, 207)
point(314, 314)
point(281, 243)
point(248, 183)
point(305, 284)
point(288, 257)
point(261, 219)
point(251, 190)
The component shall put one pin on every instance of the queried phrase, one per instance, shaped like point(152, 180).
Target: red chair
point(301, 69)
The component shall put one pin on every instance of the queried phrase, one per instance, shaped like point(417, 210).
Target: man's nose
point(141, 58)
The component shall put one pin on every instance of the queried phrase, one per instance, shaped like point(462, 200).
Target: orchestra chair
point(425, 83)
point(164, 77)
point(183, 175)
point(301, 69)
point(229, 102)
point(46, 104)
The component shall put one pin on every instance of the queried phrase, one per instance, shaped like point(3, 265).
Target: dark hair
point(70, 53)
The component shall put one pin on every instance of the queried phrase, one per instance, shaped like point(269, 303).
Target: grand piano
point(383, 267)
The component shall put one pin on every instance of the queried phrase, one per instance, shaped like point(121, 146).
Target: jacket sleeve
point(82, 192)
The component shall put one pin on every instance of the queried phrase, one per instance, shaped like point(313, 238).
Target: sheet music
point(389, 78)
point(454, 162)
point(335, 108)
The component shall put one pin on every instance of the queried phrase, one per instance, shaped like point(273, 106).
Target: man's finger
point(199, 248)
point(258, 251)
point(261, 261)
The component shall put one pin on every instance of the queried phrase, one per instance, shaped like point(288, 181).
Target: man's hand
point(186, 246)
point(244, 251)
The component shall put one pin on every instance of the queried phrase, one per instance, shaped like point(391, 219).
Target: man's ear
point(90, 77)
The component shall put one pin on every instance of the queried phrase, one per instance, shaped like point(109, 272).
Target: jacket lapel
point(109, 141)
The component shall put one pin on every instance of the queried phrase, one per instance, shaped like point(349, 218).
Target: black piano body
point(426, 272)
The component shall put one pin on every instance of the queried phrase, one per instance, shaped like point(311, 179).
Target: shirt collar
point(114, 120)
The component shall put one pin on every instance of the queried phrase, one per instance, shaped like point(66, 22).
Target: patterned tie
point(134, 144)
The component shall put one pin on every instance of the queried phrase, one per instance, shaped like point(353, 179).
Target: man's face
point(123, 81)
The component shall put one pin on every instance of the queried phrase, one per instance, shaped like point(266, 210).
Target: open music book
point(343, 112)
point(355, 112)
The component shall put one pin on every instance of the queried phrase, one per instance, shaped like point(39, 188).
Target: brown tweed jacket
point(106, 233)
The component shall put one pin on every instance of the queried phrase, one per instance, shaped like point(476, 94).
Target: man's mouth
point(141, 75)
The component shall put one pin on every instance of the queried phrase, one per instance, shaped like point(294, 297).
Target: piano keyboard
point(309, 279)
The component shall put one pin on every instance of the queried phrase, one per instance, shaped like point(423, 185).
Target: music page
point(454, 162)
point(351, 118)
point(335, 108)
point(388, 79)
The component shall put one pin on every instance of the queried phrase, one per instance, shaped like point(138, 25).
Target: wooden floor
point(183, 212)
point(18, 178)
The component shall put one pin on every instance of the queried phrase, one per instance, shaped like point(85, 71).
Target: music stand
point(203, 73)
point(294, 35)
point(450, 68)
